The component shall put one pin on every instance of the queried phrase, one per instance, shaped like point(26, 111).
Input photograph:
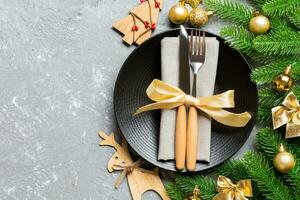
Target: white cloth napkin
point(205, 87)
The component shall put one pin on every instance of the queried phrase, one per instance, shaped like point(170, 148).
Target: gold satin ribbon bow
point(168, 97)
point(288, 114)
point(230, 191)
point(127, 169)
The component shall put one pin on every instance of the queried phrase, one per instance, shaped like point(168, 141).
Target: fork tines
point(197, 42)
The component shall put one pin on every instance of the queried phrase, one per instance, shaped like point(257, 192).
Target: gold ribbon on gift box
point(230, 191)
point(289, 114)
point(168, 97)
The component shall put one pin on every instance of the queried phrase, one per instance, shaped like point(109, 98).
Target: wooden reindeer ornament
point(142, 20)
point(139, 180)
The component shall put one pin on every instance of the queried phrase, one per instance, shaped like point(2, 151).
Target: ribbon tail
point(120, 178)
point(292, 130)
point(279, 116)
point(227, 118)
point(245, 186)
point(157, 106)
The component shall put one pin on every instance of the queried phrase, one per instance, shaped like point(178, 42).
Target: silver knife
point(184, 61)
point(184, 84)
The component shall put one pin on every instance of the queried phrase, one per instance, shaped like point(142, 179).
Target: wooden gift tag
point(140, 180)
point(139, 24)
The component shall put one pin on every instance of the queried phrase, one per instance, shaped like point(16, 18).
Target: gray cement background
point(59, 60)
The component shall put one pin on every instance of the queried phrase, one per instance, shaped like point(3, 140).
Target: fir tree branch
point(236, 12)
point(280, 42)
point(266, 73)
point(174, 192)
point(280, 7)
point(268, 142)
point(260, 2)
point(269, 97)
point(264, 115)
point(268, 184)
point(206, 185)
point(295, 18)
point(237, 170)
point(238, 38)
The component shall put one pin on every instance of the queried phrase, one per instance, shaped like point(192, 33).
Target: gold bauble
point(283, 160)
point(284, 82)
point(259, 24)
point(193, 3)
point(198, 17)
point(178, 14)
point(195, 195)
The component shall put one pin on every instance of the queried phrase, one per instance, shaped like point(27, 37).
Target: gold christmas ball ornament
point(283, 160)
point(284, 82)
point(195, 195)
point(178, 14)
point(198, 17)
point(193, 3)
point(259, 24)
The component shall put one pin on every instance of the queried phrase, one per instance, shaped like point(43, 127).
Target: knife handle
point(180, 138)
point(191, 142)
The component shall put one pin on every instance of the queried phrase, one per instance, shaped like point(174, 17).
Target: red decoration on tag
point(135, 28)
point(142, 1)
point(153, 26)
point(157, 4)
point(146, 24)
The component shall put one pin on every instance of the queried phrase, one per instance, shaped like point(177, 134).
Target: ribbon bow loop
point(288, 113)
point(127, 169)
point(230, 191)
point(168, 97)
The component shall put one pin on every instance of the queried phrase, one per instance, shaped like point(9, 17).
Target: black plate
point(142, 131)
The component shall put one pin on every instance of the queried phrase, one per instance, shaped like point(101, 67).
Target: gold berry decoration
point(283, 82)
point(198, 17)
point(283, 160)
point(259, 24)
point(178, 14)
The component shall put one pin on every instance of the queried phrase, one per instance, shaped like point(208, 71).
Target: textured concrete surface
point(58, 63)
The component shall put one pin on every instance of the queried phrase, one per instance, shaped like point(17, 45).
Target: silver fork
point(197, 59)
point(197, 55)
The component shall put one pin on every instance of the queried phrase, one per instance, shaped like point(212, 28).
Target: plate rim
point(254, 116)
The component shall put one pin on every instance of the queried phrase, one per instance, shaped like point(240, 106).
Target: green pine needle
point(261, 2)
point(295, 18)
point(280, 42)
point(268, 184)
point(238, 38)
point(174, 192)
point(266, 73)
point(280, 7)
point(268, 142)
point(269, 97)
point(236, 12)
point(206, 185)
point(235, 169)
point(264, 115)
